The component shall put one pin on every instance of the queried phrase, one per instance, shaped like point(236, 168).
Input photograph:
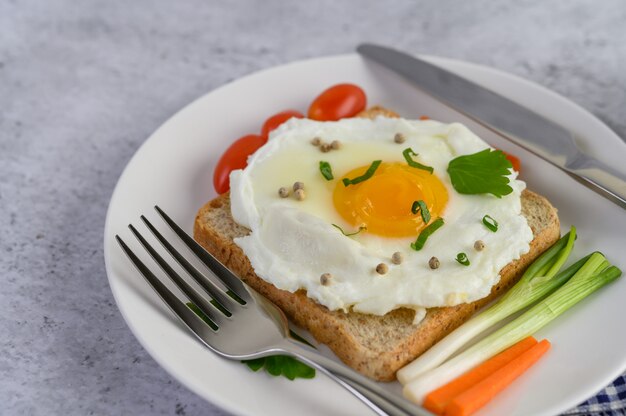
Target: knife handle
point(603, 179)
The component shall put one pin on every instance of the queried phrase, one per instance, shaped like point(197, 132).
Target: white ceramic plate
point(174, 169)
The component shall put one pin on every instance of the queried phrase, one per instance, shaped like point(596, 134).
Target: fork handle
point(379, 404)
point(390, 404)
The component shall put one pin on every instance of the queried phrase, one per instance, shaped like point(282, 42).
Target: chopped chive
point(462, 258)
point(408, 153)
point(368, 174)
point(426, 232)
point(490, 223)
point(326, 170)
point(361, 228)
point(422, 208)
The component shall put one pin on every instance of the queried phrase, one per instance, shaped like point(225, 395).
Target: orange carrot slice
point(477, 396)
point(437, 400)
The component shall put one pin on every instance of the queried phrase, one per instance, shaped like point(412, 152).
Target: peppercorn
point(299, 194)
point(283, 192)
point(397, 257)
point(433, 263)
point(325, 279)
point(399, 138)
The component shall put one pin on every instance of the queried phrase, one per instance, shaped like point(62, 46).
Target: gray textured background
point(82, 84)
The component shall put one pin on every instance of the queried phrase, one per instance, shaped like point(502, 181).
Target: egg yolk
point(383, 202)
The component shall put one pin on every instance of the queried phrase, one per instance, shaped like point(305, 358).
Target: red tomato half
point(517, 164)
point(235, 157)
point(339, 101)
point(278, 119)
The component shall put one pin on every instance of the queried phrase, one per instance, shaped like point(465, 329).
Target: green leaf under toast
point(275, 365)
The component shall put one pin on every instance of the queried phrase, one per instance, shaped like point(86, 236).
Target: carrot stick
point(477, 396)
point(437, 400)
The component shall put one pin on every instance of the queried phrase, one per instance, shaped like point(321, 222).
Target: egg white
point(292, 242)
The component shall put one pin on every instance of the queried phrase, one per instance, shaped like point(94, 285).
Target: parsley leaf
point(255, 364)
point(284, 365)
point(281, 365)
point(275, 365)
point(484, 172)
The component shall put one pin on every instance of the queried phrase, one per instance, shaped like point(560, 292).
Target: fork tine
point(189, 318)
point(225, 275)
point(193, 295)
point(216, 293)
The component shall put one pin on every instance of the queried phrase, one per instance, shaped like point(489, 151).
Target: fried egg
point(293, 242)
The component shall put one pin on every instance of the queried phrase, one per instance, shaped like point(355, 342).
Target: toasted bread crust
point(377, 111)
point(376, 346)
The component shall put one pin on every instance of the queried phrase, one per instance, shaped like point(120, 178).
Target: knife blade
point(510, 120)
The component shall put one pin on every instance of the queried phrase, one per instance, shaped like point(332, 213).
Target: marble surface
point(82, 84)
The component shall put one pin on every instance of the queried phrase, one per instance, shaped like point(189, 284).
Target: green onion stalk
point(595, 273)
point(539, 280)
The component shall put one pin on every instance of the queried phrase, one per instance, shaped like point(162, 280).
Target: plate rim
point(444, 61)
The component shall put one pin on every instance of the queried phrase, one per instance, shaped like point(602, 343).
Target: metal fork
point(246, 325)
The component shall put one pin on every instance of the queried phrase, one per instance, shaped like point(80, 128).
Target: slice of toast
point(376, 346)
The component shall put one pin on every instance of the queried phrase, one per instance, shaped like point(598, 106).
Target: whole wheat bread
point(376, 346)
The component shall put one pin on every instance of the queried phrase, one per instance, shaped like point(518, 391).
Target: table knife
point(510, 120)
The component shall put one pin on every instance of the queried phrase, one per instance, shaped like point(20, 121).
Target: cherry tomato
point(235, 157)
point(338, 101)
point(278, 119)
point(517, 164)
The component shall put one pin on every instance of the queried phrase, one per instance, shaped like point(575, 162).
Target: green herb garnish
point(422, 208)
point(368, 174)
point(490, 223)
point(426, 232)
point(484, 172)
point(462, 258)
point(285, 365)
point(281, 365)
point(326, 170)
point(275, 365)
point(408, 153)
point(361, 228)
